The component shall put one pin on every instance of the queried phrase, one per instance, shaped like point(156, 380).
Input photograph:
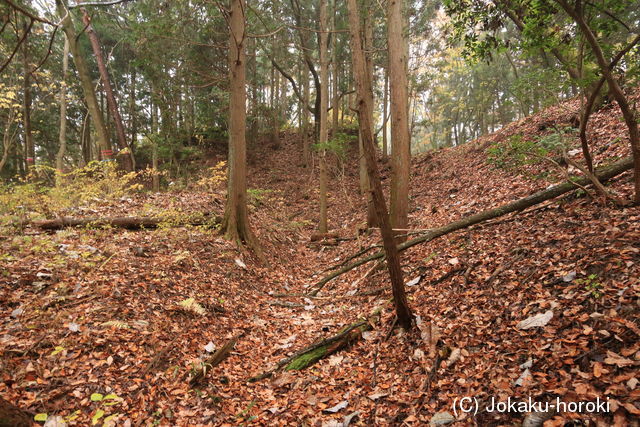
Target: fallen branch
point(356, 255)
point(603, 173)
point(595, 181)
point(215, 359)
point(126, 222)
point(324, 348)
point(448, 274)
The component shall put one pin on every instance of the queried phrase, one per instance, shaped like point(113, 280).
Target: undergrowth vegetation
point(99, 183)
point(518, 152)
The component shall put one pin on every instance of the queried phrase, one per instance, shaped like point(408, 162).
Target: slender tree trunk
point(111, 98)
point(30, 157)
point(305, 119)
point(324, 101)
point(235, 224)
point(133, 123)
point(335, 100)
point(385, 102)
point(8, 138)
point(275, 119)
point(85, 80)
point(62, 136)
point(400, 138)
point(253, 102)
point(85, 140)
point(155, 131)
point(365, 108)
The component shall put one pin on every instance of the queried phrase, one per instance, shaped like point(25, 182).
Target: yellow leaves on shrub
point(214, 177)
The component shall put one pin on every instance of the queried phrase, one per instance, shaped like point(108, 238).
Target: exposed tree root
point(603, 174)
point(324, 348)
point(126, 222)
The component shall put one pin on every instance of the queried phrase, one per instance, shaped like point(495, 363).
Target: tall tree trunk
point(385, 102)
point(85, 80)
point(335, 100)
point(133, 123)
point(365, 108)
point(111, 98)
point(275, 118)
point(235, 224)
point(324, 101)
point(155, 131)
point(369, 48)
point(30, 157)
point(400, 138)
point(62, 136)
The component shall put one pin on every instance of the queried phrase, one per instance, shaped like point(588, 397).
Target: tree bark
point(85, 80)
point(400, 138)
point(62, 136)
point(363, 89)
point(111, 98)
point(235, 224)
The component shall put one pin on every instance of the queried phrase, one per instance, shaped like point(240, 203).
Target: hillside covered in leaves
point(123, 327)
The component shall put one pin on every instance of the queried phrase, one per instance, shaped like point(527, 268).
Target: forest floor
point(92, 327)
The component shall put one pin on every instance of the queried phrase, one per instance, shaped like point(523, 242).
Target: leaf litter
point(116, 324)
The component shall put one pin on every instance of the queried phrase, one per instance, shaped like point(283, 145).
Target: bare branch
point(20, 41)
point(46, 56)
point(98, 3)
point(25, 12)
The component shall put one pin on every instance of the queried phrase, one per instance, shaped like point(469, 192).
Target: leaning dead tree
point(603, 174)
point(365, 107)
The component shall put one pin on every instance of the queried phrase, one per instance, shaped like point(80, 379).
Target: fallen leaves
point(62, 349)
point(619, 361)
point(537, 321)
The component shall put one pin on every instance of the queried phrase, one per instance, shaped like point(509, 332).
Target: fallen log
point(315, 237)
point(324, 348)
point(126, 222)
point(603, 173)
